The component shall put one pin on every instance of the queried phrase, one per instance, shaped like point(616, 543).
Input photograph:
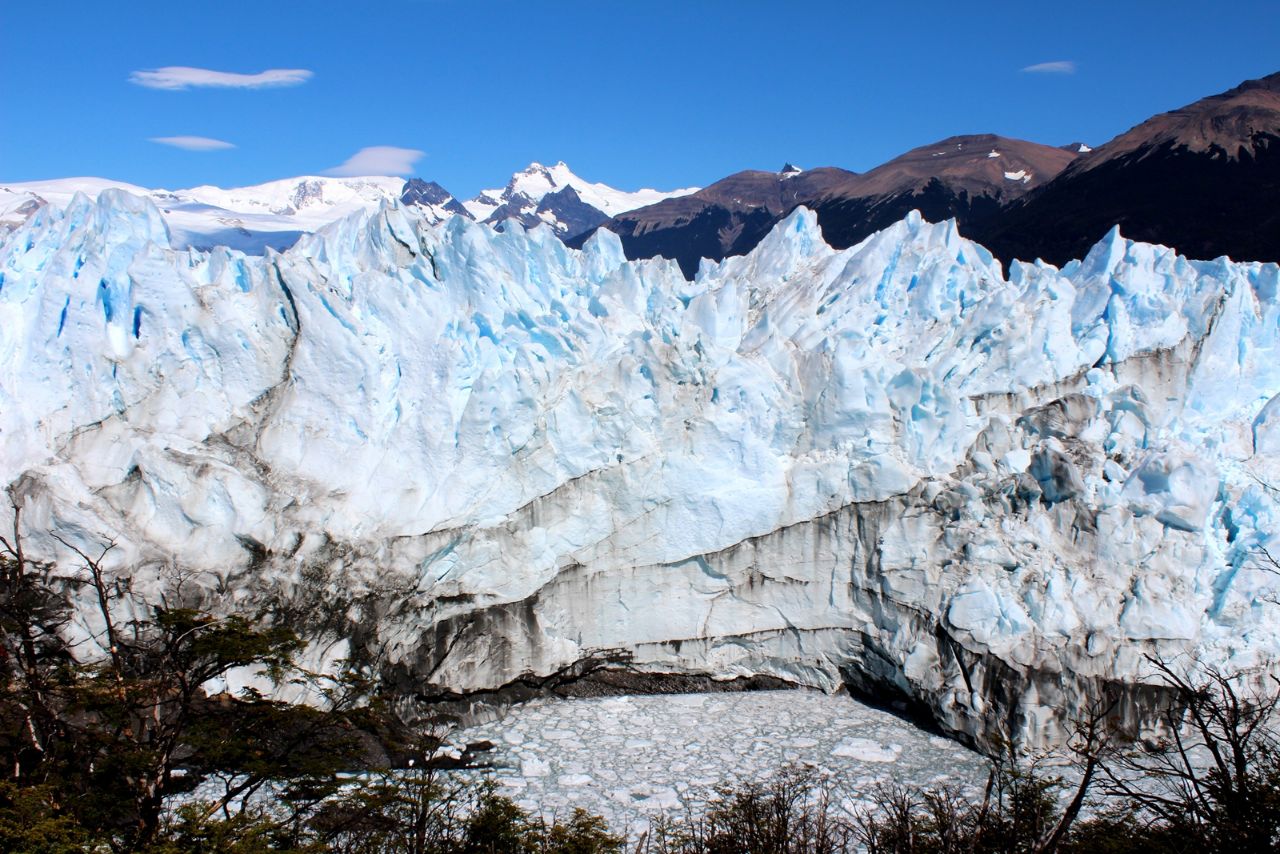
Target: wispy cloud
point(1062, 66)
point(176, 77)
point(193, 143)
point(378, 160)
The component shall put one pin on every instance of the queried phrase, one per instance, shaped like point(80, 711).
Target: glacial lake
point(631, 758)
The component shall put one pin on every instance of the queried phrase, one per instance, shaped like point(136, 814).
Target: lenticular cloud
point(378, 160)
point(1059, 67)
point(178, 77)
point(193, 143)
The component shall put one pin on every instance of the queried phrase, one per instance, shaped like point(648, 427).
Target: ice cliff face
point(470, 456)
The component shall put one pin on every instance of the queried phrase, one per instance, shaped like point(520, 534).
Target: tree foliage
point(130, 741)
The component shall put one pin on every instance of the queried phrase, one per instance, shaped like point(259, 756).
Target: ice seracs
point(475, 456)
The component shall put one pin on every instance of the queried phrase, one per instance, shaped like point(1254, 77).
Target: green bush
point(31, 822)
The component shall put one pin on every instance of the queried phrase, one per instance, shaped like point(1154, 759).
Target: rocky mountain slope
point(970, 178)
point(475, 459)
point(726, 218)
point(1204, 178)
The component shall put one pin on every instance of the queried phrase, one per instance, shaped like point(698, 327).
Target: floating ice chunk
point(655, 798)
point(534, 767)
point(867, 750)
point(559, 734)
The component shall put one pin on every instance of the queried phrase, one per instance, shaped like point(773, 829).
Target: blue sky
point(635, 93)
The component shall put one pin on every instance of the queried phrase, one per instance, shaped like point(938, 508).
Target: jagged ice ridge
point(470, 455)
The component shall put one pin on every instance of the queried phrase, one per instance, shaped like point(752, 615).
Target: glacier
point(468, 457)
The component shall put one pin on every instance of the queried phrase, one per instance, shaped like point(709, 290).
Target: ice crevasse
point(467, 456)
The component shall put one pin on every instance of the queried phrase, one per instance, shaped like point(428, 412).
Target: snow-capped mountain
point(250, 219)
point(476, 458)
point(556, 196)
point(277, 213)
point(18, 201)
point(536, 181)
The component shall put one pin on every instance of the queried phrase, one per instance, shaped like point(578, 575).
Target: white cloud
point(1062, 66)
point(193, 143)
point(175, 77)
point(378, 160)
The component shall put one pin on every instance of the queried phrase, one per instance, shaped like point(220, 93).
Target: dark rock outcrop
point(429, 193)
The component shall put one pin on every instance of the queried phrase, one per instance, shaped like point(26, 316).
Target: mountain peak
point(1233, 122)
point(977, 164)
point(1202, 179)
point(1270, 83)
point(958, 177)
point(527, 188)
point(430, 195)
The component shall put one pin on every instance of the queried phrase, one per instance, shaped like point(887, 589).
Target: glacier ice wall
point(471, 456)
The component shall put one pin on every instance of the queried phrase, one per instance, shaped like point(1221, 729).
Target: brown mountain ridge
point(1204, 178)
